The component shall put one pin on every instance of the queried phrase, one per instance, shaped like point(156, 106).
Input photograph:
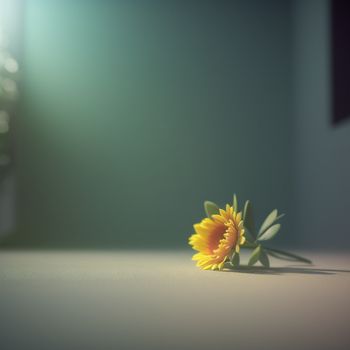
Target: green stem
point(249, 245)
point(281, 252)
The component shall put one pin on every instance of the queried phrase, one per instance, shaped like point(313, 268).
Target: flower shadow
point(260, 270)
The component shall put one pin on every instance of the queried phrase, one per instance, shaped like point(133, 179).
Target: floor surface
point(160, 300)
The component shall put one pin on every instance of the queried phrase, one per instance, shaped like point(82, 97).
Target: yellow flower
point(216, 238)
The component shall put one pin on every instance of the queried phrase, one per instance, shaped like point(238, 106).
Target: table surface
point(160, 300)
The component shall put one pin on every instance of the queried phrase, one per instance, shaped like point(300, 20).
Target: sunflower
point(217, 237)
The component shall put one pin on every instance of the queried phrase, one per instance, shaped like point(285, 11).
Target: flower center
point(216, 234)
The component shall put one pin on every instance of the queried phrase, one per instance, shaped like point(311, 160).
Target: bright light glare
point(11, 65)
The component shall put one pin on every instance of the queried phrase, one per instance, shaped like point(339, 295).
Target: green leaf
point(279, 217)
point(270, 219)
point(264, 259)
point(234, 260)
point(270, 233)
point(248, 219)
point(235, 203)
point(248, 236)
point(281, 254)
point(210, 208)
point(254, 256)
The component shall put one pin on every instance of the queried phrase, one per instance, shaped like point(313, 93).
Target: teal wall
point(133, 113)
point(322, 160)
